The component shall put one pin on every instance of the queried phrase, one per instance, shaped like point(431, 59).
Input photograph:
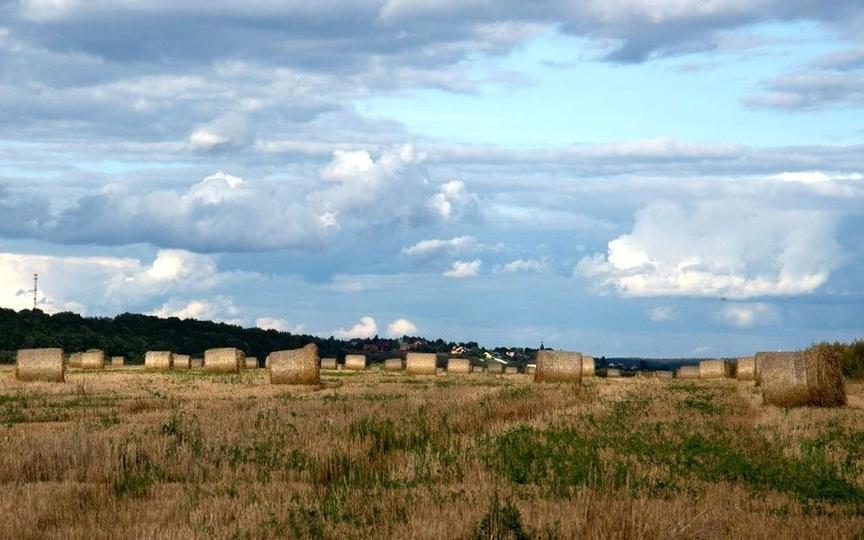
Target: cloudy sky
point(623, 177)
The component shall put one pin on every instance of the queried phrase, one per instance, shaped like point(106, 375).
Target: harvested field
point(191, 454)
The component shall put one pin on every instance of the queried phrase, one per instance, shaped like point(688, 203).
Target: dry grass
point(191, 454)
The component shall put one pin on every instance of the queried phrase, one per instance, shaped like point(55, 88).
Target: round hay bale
point(40, 365)
point(663, 374)
point(93, 359)
point(746, 369)
point(476, 369)
point(355, 362)
point(588, 366)
point(252, 362)
point(181, 361)
point(161, 360)
point(714, 369)
point(613, 373)
point(298, 366)
point(688, 372)
point(761, 357)
point(558, 366)
point(117, 361)
point(495, 368)
point(530, 369)
point(421, 363)
point(75, 360)
point(458, 365)
point(812, 377)
point(511, 370)
point(393, 364)
point(327, 363)
point(196, 363)
point(224, 360)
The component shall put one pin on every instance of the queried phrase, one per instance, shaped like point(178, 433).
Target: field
point(127, 453)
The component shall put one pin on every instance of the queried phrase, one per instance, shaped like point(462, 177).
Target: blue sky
point(665, 178)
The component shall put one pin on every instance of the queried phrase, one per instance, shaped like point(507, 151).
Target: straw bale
point(613, 373)
point(476, 369)
point(588, 366)
point(458, 365)
point(224, 360)
point(93, 359)
point(181, 361)
point(530, 369)
point(688, 372)
point(327, 363)
point(558, 366)
point(117, 361)
point(159, 360)
point(355, 362)
point(393, 364)
point(663, 374)
point(511, 370)
point(421, 363)
point(40, 365)
point(812, 377)
point(196, 363)
point(714, 369)
point(75, 360)
point(298, 366)
point(746, 369)
point(495, 368)
point(761, 357)
point(251, 362)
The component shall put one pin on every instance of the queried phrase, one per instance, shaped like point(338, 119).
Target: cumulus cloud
point(719, 249)
point(460, 245)
point(745, 315)
point(453, 203)
point(230, 129)
point(280, 325)
point(464, 269)
point(538, 266)
point(366, 328)
point(401, 327)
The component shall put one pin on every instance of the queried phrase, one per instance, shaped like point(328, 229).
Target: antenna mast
point(35, 290)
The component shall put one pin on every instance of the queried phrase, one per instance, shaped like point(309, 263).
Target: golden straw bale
point(511, 370)
point(93, 359)
point(476, 369)
point(298, 366)
point(196, 363)
point(495, 368)
point(252, 362)
point(328, 363)
point(355, 362)
point(458, 365)
point(688, 372)
point(224, 360)
point(40, 365)
point(613, 373)
point(812, 377)
point(530, 369)
point(75, 360)
point(181, 361)
point(588, 366)
point(421, 363)
point(117, 361)
point(558, 366)
point(393, 364)
point(746, 369)
point(159, 360)
point(761, 357)
point(714, 369)
point(663, 374)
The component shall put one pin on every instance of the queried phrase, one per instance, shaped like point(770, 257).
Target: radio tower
point(35, 290)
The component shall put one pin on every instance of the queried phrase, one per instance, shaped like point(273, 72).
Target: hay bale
point(495, 368)
point(117, 361)
point(224, 360)
point(252, 362)
point(93, 359)
point(688, 372)
point(714, 369)
point(161, 360)
point(588, 366)
point(327, 363)
point(761, 357)
point(663, 374)
point(75, 360)
point(558, 366)
point(511, 370)
point(812, 377)
point(355, 362)
point(393, 364)
point(298, 366)
point(476, 369)
point(458, 365)
point(181, 361)
point(745, 369)
point(421, 363)
point(530, 369)
point(40, 365)
point(196, 363)
point(613, 373)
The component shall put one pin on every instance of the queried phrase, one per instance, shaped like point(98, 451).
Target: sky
point(651, 178)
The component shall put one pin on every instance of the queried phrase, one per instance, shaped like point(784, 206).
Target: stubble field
point(128, 453)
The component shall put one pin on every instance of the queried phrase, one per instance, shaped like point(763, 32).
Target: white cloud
point(745, 315)
point(662, 314)
point(460, 245)
point(463, 269)
point(228, 130)
point(522, 265)
point(220, 309)
point(366, 328)
point(280, 325)
point(401, 327)
point(732, 249)
point(453, 202)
